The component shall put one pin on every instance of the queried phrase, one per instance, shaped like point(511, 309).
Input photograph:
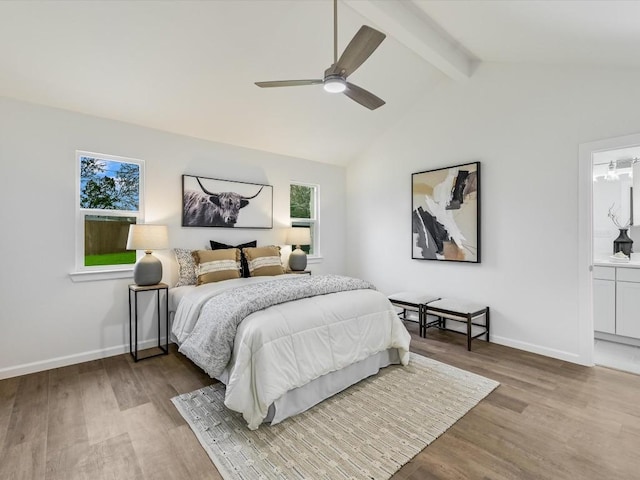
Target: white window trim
point(101, 275)
point(316, 257)
point(83, 273)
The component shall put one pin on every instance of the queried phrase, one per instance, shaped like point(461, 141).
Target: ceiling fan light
point(335, 85)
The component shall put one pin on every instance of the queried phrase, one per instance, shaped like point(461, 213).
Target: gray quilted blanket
point(210, 344)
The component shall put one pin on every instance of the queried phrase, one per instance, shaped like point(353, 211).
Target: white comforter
point(288, 345)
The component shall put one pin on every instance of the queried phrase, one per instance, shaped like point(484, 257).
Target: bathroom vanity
point(616, 300)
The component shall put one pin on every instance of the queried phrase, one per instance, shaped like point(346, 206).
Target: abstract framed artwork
point(445, 214)
point(212, 202)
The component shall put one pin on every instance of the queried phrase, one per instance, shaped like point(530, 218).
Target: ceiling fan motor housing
point(335, 83)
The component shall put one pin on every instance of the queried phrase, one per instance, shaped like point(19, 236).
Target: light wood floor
point(112, 419)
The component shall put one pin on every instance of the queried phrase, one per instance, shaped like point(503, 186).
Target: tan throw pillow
point(216, 265)
point(264, 261)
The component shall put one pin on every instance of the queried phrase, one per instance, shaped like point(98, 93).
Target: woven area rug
point(368, 431)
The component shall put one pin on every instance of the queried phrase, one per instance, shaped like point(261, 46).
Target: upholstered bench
point(459, 311)
point(413, 301)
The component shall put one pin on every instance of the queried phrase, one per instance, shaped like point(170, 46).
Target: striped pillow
point(216, 265)
point(264, 261)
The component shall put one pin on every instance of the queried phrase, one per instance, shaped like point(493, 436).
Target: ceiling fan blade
point(361, 46)
point(364, 98)
point(288, 83)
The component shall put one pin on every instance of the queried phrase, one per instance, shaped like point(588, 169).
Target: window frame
point(98, 272)
point(313, 222)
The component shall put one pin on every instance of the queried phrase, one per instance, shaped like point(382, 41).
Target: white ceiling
point(189, 67)
point(575, 32)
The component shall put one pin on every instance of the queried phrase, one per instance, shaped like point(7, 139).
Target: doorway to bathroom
point(609, 270)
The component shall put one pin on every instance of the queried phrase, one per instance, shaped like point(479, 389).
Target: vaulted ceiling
point(188, 67)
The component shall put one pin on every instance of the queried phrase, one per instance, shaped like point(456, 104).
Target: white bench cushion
point(415, 298)
point(462, 307)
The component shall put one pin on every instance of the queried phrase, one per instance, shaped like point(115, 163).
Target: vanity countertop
point(606, 262)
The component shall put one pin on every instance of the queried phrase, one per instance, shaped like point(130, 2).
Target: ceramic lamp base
point(297, 260)
point(147, 271)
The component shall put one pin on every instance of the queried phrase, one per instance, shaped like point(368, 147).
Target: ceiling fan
point(362, 45)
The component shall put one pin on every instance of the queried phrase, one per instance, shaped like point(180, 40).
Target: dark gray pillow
point(244, 270)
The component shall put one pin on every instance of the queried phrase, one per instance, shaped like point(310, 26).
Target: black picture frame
point(445, 214)
point(214, 202)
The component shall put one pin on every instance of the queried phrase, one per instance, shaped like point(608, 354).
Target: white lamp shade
point(299, 236)
point(147, 237)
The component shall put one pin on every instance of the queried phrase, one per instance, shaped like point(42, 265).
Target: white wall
point(47, 319)
point(524, 124)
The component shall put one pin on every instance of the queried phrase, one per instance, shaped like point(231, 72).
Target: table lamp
point(148, 270)
point(298, 236)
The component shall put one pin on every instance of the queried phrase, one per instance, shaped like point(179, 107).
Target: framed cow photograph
point(212, 202)
point(445, 215)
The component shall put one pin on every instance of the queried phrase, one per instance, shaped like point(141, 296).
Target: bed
point(286, 357)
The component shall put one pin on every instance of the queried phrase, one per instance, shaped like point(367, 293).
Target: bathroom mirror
point(613, 181)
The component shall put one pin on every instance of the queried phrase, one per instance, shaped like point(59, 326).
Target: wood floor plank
point(66, 421)
point(455, 459)
point(126, 387)
point(495, 432)
point(8, 389)
point(4, 426)
point(187, 447)
point(448, 463)
point(104, 426)
point(573, 419)
point(505, 398)
point(149, 432)
point(73, 462)
point(183, 381)
point(91, 366)
point(159, 390)
point(97, 393)
point(64, 372)
point(113, 458)
point(100, 407)
point(183, 375)
point(24, 461)
point(29, 416)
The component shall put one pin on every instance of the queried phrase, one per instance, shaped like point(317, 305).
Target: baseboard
point(547, 352)
point(634, 342)
point(71, 359)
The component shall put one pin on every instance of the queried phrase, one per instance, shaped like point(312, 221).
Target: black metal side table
point(133, 319)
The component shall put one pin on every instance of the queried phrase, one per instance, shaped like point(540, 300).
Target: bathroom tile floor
point(617, 355)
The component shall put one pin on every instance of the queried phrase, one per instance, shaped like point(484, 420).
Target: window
point(109, 199)
point(303, 210)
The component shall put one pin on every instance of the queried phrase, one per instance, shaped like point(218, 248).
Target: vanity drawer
point(605, 273)
point(629, 274)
